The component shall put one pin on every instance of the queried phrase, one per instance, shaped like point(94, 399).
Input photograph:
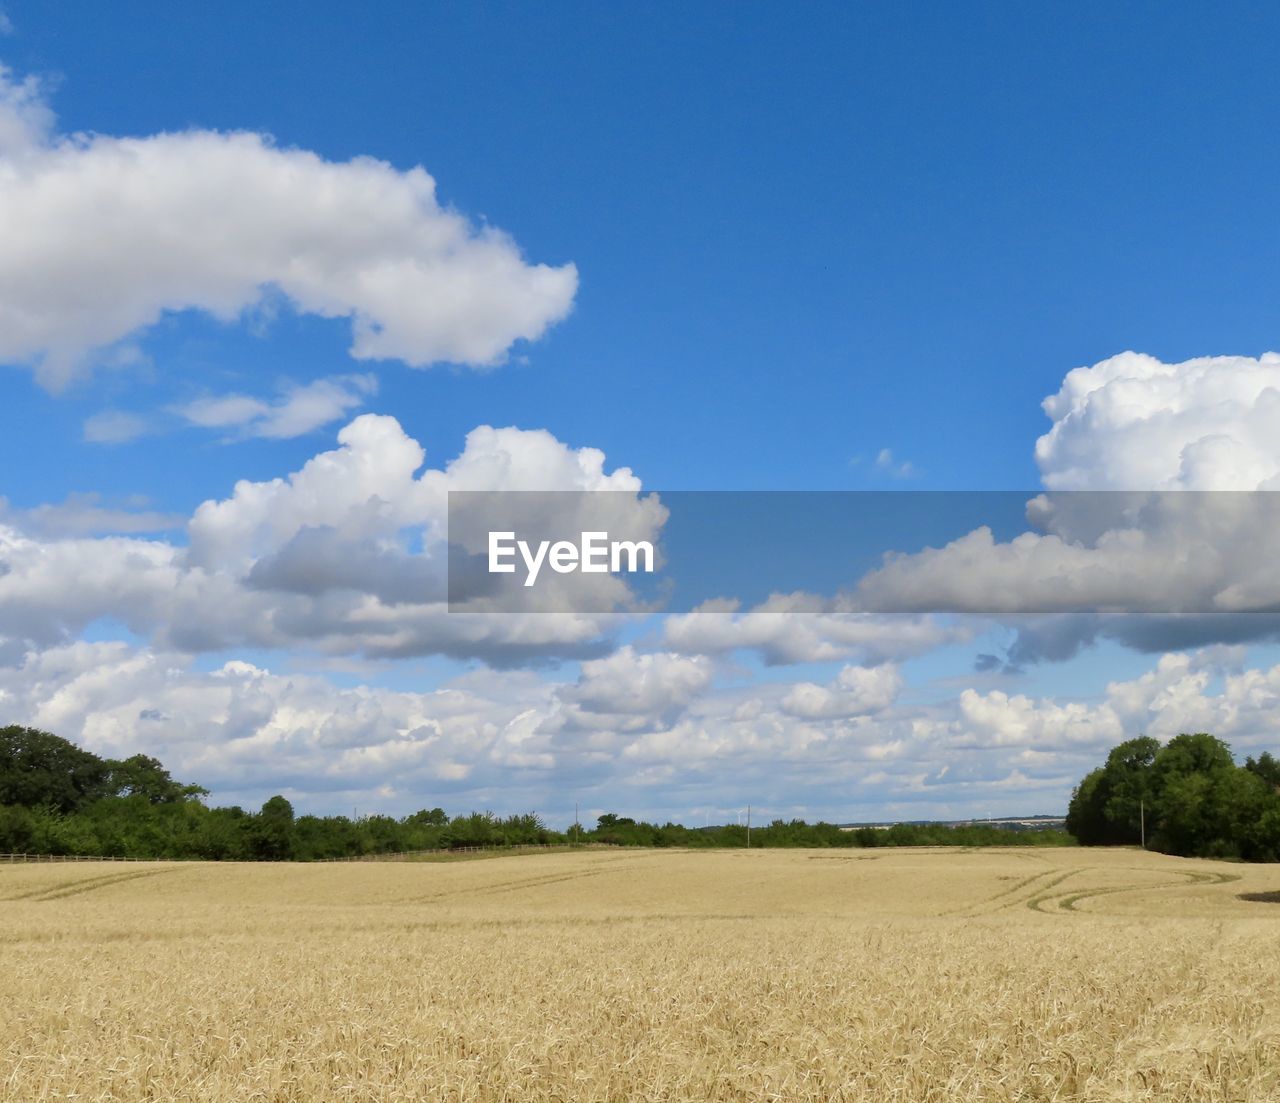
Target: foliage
point(40, 770)
point(623, 831)
point(61, 799)
point(1193, 797)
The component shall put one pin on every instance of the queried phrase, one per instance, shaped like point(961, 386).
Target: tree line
point(57, 798)
point(1187, 797)
point(623, 831)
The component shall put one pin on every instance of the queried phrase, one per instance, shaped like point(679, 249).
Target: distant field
point(889, 975)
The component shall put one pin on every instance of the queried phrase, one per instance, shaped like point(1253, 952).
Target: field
point(887, 975)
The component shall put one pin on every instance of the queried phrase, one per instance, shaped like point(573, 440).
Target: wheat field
point(880, 975)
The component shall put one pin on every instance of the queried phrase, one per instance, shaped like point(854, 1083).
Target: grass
point(914, 975)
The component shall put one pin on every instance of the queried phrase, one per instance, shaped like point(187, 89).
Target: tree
point(1199, 802)
point(41, 770)
point(1191, 754)
point(1086, 814)
point(477, 829)
point(143, 776)
point(17, 830)
point(272, 833)
point(1267, 767)
point(1108, 806)
point(1129, 787)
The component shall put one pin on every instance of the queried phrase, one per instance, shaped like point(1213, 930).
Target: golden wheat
point(896, 975)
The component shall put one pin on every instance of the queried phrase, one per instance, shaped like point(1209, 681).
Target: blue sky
point(849, 247)
point(801, 239)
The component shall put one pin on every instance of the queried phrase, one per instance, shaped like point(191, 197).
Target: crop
point(889, 975)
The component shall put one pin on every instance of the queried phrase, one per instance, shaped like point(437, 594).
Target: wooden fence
point(409, 855)
point(395, 856)
point(82, 858)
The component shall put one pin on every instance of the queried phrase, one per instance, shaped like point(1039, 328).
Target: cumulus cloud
point(1168, 562)
point(806, 628)
point(856, 691)
point(651, 732)
point(345, 556)
point(1204, 690)
point(998, 719)
point(629, 691)
point(1166, 553)
point(370, 486)
point(509, 740)
point(1135, 423)
point(100, 236)
point(242, 727)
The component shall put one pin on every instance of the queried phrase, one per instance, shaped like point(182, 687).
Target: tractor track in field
point(1042, 891)
point(1056, 902)
point(616, 865)
point(63, 889)
point(1008, 897)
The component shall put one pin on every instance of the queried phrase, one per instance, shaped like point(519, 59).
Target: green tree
point(146, 777)
point(1129, 787)
point(1199, 802)
point(1266, 766)
point(1087, 812)
point(41, 770)
point(271, 838)
point(17, 831)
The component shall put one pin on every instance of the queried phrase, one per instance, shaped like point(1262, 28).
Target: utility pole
point(577, 828)
point(1142, 821)
point(748, 827)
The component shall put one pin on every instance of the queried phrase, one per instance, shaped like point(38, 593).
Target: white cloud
point(1000, 720)
point(856, 691)
point(370, 486)
point(242, 727)
point(648, 732)
point(1135, 423)
point(299, 409)
point(805, 628)
point(1113, 560)
point(629, 691)
point(85, 514)
point(100, 236)
point(25, 118)
point(222, 411)
point(1172, 554)
point(345, 557)
point(1177, 695)
point(245, 729)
